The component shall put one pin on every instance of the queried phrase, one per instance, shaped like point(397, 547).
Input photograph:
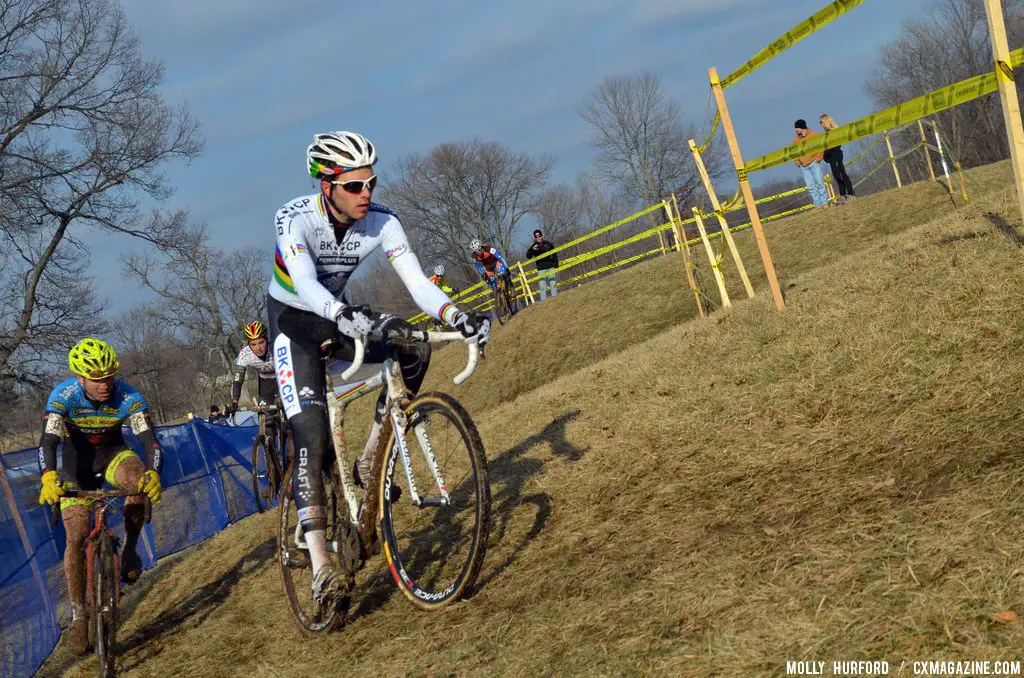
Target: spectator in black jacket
point(545, 262)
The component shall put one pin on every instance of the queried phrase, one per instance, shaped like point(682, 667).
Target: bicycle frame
point(99, 520)
point(398, 397)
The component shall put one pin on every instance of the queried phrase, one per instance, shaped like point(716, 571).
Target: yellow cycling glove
point(52, 490)
point(149, 484)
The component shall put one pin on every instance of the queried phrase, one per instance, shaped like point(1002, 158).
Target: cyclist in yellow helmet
point(256, 355)
point(438, 279)
point(86, 412)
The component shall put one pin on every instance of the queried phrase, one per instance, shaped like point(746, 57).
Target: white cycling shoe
point(327, 584)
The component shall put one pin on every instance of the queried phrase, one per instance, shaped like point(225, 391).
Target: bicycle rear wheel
point(263, 482)
point(435, 552)
point(297, 569)
point(106, 592)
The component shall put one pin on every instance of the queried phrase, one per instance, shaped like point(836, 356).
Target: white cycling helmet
point(475, 244)
point(439, 270)
point(336, 152)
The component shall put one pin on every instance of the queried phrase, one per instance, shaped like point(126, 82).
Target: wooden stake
point(1007, 94)
point(927, 153)
point(713, 258)
point(942, 157)
point(960, 179)
point(895, 170)
point(661, 241)
point(748, 194)
point(828, 189)
point(678, 243)
point(526, 285)
point(684, 252)
point(720, 214)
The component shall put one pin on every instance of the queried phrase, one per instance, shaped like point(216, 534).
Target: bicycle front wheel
point(106, 591)
point(501, 305)
point(435, 550)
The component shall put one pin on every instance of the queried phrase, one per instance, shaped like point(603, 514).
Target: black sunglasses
point(357, 186)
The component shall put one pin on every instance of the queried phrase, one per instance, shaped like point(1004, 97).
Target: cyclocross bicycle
point(434, 531)
point(271, 441)
point(102, 572)
point(504, 305)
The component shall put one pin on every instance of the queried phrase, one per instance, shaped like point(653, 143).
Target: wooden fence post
point(713, 258)
point(526, 285)
point(942, 157)
point(895, 170)
point(684, 252)
point(1007, 94)
point(748, 194)
point(720, 214)
point(927, 153)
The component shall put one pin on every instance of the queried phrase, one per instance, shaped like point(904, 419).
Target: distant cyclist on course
point(439, 281)
point(257, 356)
point(489, 264)
point(321, 240)
point(86, 412)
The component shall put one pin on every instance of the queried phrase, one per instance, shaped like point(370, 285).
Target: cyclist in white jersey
point(321, 239)
point(254, 354)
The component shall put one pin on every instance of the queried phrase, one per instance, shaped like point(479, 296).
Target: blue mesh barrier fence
point(207, 485)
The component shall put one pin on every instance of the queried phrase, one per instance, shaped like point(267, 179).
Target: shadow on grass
point(193, 610)
point(509, 470)
point(1005, 227)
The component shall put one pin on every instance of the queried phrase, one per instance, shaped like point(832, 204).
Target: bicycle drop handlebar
point(103, 494)
point(426, 337)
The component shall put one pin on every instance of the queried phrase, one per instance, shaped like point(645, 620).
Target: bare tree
point(83, 135)
point(144, 345)
point(561, 212)
point(949, 44)
point(206, 293)
point(641, 141)
point(465, 190)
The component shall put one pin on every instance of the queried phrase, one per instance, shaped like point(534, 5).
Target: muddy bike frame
point(398, 396)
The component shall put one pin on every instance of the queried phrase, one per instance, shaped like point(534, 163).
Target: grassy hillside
point(838, 481)
point(608, 315)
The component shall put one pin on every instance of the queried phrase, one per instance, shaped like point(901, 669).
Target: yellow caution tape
point(714, 128)
point(803, 29)
point(1004, 71)
point(735, 202)
point(908, 111)
point(484, 298)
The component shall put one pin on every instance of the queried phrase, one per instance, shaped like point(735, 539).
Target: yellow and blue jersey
point(94, 425)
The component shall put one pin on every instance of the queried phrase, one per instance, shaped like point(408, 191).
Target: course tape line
point(482, 291)
point(822, 18)
point(909, 111)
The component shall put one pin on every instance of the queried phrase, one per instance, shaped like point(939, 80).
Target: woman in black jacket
point(834, 158)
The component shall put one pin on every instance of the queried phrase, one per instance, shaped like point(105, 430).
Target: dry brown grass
point(839, 481)
point(586, 324)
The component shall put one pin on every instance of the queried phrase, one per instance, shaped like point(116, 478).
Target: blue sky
point(263, 75)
